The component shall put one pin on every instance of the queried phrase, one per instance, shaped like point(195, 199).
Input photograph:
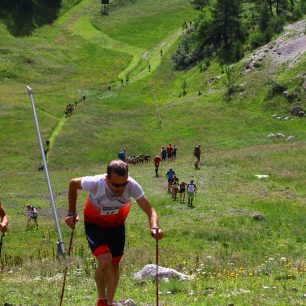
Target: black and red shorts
point(103, 240)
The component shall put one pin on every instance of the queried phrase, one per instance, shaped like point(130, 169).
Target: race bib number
point(106, 211)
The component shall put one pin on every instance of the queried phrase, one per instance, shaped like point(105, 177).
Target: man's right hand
point(71, 220)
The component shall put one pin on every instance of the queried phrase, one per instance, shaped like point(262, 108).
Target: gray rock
point(258, 217)
point(126, 303)
point(298, 110)
point(150, 271)
point(280, 135)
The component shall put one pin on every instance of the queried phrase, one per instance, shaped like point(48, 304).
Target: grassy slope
point(230, 253)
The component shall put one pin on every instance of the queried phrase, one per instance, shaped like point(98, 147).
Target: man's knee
point(104, 260)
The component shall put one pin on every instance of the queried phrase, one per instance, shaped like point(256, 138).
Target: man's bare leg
point(102, 273)
point(113, 281)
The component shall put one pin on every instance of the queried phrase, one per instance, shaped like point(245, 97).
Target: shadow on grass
point(22, 16)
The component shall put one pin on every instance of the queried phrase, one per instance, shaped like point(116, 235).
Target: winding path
point(77, 21)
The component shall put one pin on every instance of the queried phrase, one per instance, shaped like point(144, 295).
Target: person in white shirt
point(32, 216)
point(107, 207)
point(191, 190)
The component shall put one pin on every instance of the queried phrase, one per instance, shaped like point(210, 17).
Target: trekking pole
point(156, 280)
point(1, 241)
point(66, 268)
point(60, 240)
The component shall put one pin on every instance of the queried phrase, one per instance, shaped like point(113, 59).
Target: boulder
point(150, 271)
point(291, 137)
point(260, 176)
point(280, 135)
point(297, 110)
point(258, 217)
point(126, 303)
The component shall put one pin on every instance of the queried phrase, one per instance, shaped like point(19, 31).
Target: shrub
point(297, 13)
point(275, 88)
point(267, 35)
point(256, 39)
point(277, 23)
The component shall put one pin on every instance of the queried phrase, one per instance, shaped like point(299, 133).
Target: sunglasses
point(119, 185)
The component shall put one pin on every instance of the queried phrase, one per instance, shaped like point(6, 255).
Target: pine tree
point(199, 4)
point(226, 26)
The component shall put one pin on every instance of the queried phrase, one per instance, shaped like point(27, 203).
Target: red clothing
point(157, 160)
point(93, 215)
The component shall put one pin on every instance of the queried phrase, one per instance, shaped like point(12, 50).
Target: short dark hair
point(119, 167)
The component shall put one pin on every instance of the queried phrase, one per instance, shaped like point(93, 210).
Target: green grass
point(235, 259)
point(157, 19)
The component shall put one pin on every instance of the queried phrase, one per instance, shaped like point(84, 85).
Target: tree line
point(228, 28)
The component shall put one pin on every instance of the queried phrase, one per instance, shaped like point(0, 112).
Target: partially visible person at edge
point(4, 220)
point(197, 153)
point(107, 207)
point(157, 161)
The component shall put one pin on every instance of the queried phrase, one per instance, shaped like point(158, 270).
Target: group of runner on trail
point(139, 159)
point(169, 153)
point(176, 187)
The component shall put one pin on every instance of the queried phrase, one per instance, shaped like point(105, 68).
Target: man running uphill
point(107, 207)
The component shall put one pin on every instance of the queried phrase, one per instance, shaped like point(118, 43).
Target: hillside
point(117, 69)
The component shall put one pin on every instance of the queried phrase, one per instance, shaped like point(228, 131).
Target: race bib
point(106, 211)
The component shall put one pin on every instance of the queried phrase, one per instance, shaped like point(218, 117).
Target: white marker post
point(60, 239)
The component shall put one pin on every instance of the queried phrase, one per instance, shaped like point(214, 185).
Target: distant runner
point(175, 187)
point(122, 155)
point(182, 191)
point(174, 152)
point(197, 153)
point(169, 152)
point(32, 215)
point(163, 154)
point(191, 190)
point(170, 176)
point(157, 161)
